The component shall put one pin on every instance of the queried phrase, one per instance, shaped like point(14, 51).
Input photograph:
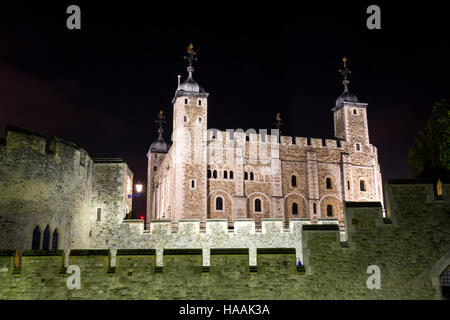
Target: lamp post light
point(139, 188)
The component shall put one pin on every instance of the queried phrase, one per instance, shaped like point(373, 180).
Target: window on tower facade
point(354, 111)
point(199, 102)
point(314, 208)
point(209, 173)
point(257, 205)
point(362, 185)
point(358, 147)
point(329, 210)
point(192, 184)
point(252, 176)
point(185, 101)
point(245, 175)
point(348, 184)
point(55, 240)
point(231, 174)
point(199, 120)
point(215, 174)
point(99, 214)
point(294, 208)
point(225, 174)
point(293, 181)
point(185, 119)
point(46, 239)
point(219, 204)
point(328, 182)
point(36, 242)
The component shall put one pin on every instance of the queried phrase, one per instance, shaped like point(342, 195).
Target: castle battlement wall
point(409, 248)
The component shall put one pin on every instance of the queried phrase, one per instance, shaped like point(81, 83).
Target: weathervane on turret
point(345, 72)
point(278, 122)
point(191, 54)
point(161, 120)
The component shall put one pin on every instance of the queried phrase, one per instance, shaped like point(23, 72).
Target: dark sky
point(102, 86)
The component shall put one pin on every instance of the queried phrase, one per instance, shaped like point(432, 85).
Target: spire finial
point(191, 58)
point(345, 72)
point(161, 120)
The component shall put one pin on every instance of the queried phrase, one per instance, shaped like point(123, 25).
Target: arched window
point(348, 184)
point(354, 111)
point(328, 183)
point(257, 205)
point(199, 102)
point(329, 210)
point(294, 208)
point(246, 175)
point(445, 284)
point(362, 185)
point(231, 174)
point(36, 239)
point(219, 204)
point(314, 208)
point(293, 181)
point(55, 240)
point(225, 174)
point(215, 174)
point(46, 239)
point(209, 173)
point(251, 176)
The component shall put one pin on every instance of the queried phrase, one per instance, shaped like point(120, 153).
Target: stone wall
point(410, 247)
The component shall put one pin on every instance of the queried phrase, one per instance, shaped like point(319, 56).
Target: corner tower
point(190, 105)
point(350, 116)
point(156, 154)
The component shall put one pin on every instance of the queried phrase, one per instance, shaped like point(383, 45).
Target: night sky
point(101, 87)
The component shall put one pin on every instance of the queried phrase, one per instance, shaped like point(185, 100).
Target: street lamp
point(139, 188)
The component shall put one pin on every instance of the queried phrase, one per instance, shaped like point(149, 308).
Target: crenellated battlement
point(29, 145)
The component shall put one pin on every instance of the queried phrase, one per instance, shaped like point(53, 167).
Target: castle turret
point(350, 116)
point(156, 154)
point(189, 140)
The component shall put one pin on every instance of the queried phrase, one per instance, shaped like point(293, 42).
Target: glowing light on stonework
point(139, 188)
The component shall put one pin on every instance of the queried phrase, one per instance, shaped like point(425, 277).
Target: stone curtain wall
point(407, 247)
point(43, 183)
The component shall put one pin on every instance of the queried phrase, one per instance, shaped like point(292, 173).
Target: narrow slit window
point(185, 101)
point(257, 205)
point(225, 174)
point(231, 174)
point(36, 239)
point(215, 174)
point(294, 208)
point(245, 175)
point(314, 208)
point(294, 181)
point(252, 176)
point(362, 185)
point(46, 239)
point(209, 173)
point(219, 204)
point(55, 240)
point(329, 210)
point(328, 183)
point(348, 184)
point(99, 214)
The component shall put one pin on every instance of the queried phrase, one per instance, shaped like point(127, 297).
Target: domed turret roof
point(346, 96)
point(159, 146)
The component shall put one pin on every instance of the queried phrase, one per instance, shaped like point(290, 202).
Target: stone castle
point(233, 174)
point(230, 215)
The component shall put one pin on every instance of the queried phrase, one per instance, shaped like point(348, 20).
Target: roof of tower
point(159, 145)
point(189, 87)
point(346, 96)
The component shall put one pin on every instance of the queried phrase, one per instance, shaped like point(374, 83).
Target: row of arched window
point(226, 174)
point(294, 209)
point(257, 205)
point(36, 241)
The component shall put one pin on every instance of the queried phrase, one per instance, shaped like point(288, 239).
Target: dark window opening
point(192, 184)
point(294, 181)
point(185, 119)
point(362, 185)
point(348, 184)
point(257, 205)
point(354, 111)
point(225, 175)
point(314, 208)
point(328, 183)
point(199, 102)
point(55, 240)
point(231, 174)
point(36, 239)
point(246, 175)
point(215, 174)
point(46, 239)
point(329, 210)
point(219, 203)
point(185, 101)
point(99, 214)
point(209, 173)
point(358, 147)
point(294, 208)
point(155, 168)
point(251, 176)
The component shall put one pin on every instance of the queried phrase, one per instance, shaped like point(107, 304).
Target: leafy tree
point(430, 158)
